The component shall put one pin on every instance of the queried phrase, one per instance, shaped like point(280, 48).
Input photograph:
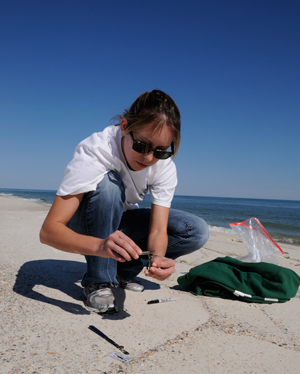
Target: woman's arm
point(55, 233)
point(162, 267)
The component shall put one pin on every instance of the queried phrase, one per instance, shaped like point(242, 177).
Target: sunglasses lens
point(138, 147)
point(162, 155)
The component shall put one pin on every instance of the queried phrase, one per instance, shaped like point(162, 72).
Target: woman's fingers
point(120, 247)
point(160, 274)
point(162, 262)
point(162, 268)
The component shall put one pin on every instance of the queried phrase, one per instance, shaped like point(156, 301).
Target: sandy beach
point(44, 324)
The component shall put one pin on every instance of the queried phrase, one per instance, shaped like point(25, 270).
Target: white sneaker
point(131, 285)
point(99, 298)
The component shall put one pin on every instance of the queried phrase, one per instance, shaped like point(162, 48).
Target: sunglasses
point(142, 147)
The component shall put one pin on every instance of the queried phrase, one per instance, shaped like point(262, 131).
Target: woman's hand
point(161, 269)
point(119, 247)
point(55, 232)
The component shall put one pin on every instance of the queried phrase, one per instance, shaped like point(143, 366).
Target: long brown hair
point(155, 108)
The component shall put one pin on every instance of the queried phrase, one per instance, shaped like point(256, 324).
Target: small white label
point(120, 357)
point(239, 293)
point(269, 299)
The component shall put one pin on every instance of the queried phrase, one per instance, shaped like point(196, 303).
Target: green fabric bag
point(228, 278)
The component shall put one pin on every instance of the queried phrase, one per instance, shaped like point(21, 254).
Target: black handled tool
point(120, 347)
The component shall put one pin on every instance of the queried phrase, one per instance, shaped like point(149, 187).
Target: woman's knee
point(110, 190)
point(100, 208)
point(188, 230)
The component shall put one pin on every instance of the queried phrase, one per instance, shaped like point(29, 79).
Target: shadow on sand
point(63, 276)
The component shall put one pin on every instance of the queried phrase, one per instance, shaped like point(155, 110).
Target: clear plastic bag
point(261, 247)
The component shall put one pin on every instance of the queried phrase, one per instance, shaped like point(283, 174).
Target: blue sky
point(233, 68)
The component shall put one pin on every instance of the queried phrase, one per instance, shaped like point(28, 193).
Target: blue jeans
point(101, 213)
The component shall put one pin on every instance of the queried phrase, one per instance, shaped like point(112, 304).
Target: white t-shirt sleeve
point(92, 159)
point(163, 182)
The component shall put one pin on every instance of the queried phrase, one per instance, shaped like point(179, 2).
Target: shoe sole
point(110, 309)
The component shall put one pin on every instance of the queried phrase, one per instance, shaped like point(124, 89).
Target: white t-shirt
point(102, 152)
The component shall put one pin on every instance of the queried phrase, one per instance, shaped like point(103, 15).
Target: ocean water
point(281, 218)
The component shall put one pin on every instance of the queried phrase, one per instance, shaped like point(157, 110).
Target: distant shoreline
point(212, 227)
point(4, 189)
